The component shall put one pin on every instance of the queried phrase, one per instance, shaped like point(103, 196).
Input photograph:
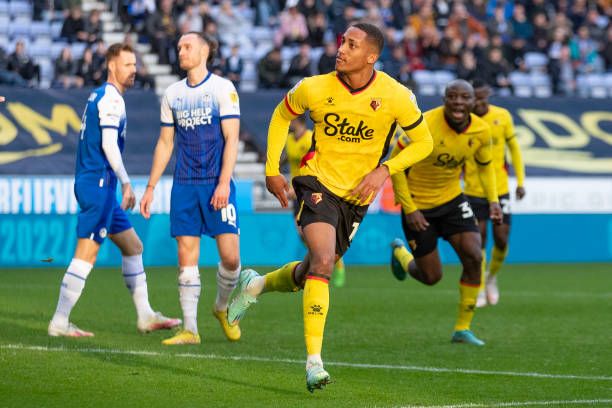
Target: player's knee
point(322, 266)
point(432, 278)
point(231, 262)
point(472, 259)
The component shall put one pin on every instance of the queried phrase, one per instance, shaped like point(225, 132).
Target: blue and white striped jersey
point(105, 109)
point(196, 113)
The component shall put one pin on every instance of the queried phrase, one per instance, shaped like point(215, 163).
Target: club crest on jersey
point(206, 98)
point(375, 104)
point(316, 198)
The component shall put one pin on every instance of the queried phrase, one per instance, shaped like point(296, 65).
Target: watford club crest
point(316, 198)
point(375, 104)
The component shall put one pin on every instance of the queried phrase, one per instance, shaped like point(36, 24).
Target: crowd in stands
point(470, 38)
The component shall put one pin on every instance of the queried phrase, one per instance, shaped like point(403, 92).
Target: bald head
point(459, 85)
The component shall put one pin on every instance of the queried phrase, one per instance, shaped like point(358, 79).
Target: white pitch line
point(515, 404)
point(328, 363)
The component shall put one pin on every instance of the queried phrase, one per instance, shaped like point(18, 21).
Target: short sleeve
point(166, 112)
point(296, 100)
point(111, 109)
point(408, 114)
point(229, 105)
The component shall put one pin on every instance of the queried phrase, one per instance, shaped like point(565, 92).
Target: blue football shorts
point(100, 213)
point(191, 213)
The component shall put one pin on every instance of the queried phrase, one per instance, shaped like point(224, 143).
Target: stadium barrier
point(565, 217)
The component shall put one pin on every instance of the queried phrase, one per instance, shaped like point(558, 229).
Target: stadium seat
point(442, 78)
point(78, 49)
point(541, 85)
point(596, 85)
point(536, 61)
point(20, 8)
point(608, 83)
point(425, 82)
point(4, 24)
point(261, 33)
point(4, 8)
point(56, 29)
point(40, 29)
point(521, 83)
point(20, 27)
point(56, 49)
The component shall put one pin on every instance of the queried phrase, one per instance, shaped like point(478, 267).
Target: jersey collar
point(117, 89)
point(358, 90)
point(455, 130)
point(195, 86)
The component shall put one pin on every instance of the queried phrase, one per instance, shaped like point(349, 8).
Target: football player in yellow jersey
point(355, 111)
point(433, 204)
point(502, 132)
point(299, 142)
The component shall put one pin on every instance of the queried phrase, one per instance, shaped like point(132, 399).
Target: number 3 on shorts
point(466, 210)
point(505, 205)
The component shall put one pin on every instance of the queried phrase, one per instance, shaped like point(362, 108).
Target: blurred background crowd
point(274, 43)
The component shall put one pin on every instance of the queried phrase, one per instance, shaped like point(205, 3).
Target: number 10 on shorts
point(228, 214)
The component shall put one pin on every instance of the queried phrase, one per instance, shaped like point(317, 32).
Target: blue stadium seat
point(535, 61)
point(56, 29)
point(442, 78)
point(56, 49)
point(596, 85)
point(20, 8)
point(19, 28)
point(540, 84)
point(40, 48)
point(78, 49)
point(4, 24)
point(521, 83)
point(4, 41)
point(425, 82)
point(40, 29)
point(4, 8)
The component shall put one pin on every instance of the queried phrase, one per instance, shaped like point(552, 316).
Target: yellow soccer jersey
point(352, 128)
point(502, 134)
point(435, 180)
point(296, 150)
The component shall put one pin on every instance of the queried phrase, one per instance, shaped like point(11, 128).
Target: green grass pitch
point(548, 343)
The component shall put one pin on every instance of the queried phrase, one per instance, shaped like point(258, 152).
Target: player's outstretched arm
point(113, 155)
point(519, 167)
point(277, 137)
point(163, 152)
point(231, 129)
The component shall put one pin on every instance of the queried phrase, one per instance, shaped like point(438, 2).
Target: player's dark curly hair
point(479, 83)
point(374, 35)
point(212, 45)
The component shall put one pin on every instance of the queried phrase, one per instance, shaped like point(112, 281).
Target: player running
point(201, 113)
point(502, 132)
point(355, 111)
point(98, 166)
point(433, 204)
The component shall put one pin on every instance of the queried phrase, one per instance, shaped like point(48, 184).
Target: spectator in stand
point(373, 16)
point(99, 58)
point(232, 26)
point(539, 41)
point(506, 5)
point(514, 52)
point(266, 11)
point(521, 27)
point(191, 17)
point(424, 18)
point(467, 67)
point(85, 69)
point(142, 79)
point(204, 12)
point(308, 8)
point(412, 44)
point(606, 52)
point(442, 12)
point(269, 70)
point(495, 70)
point(449, 48)
point(74, 27)
point(430, 40)
point(317, 26)
point(342, 21)
point(234, 66)
point(94, 27)
point(562, 74)
point(162, 31)
point(21, 63)
point(584, 52)
point(327, 62)
point(539, 6)
point(299, 68)
point(478, 9)
point(464, 24)
point(293, 28)
point(578, 12)
point(560, 21)
point(65, 69)
point(139, 11)
point(499, 25)
point(9, 77)
point(397, 65)
point(596, 24)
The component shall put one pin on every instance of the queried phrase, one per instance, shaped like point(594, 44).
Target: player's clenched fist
point(277, 185)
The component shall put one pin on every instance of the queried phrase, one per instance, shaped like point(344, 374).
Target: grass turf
point(552, 319)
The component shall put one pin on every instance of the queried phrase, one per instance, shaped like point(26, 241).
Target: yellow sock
point(281, 280)
point(498, 257)
point(483, 269)
point(315, 303)
point(403, 256)
point(467, 304)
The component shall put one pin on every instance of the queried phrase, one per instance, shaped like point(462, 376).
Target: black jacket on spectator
point(327, 63)
point(23, 65)
point(72, 27)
